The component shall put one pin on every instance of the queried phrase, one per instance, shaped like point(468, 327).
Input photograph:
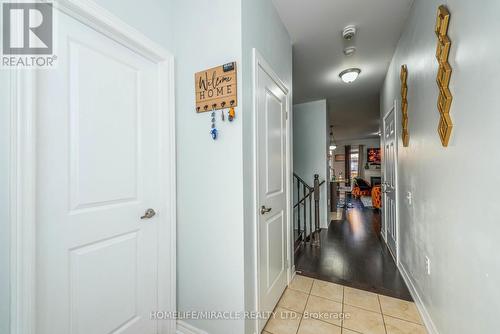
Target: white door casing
point(272, 180)
point(94, 149)
point(390, 207)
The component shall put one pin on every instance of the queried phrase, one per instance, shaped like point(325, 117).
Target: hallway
point(352, 253)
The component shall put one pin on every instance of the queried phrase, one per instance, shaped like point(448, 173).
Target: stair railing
point(306, 194)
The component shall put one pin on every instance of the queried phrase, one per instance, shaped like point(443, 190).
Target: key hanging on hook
point(222, 104)
point(231, 113)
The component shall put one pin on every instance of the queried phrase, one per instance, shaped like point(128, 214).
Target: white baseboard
point(429, 324)
point(185, 328)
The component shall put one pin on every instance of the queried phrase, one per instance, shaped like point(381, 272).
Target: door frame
point(394, 109)
point(260, 62)
point(22, 169)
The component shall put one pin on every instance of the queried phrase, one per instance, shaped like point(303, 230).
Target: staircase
point(306, 221)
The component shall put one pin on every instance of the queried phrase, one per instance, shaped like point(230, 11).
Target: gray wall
point(153, 18)
point(209, 173)
point(261, 29)
point(4, 203)
point(454, 215)
point(310, 150)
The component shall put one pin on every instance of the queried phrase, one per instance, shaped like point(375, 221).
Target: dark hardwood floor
point(353, 253)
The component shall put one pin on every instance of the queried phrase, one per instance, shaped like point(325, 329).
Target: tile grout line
point(274, 310)
point(305, 306)
point(332, 300)
point(351, 330)
point(401, 319)
point(395, 317)
point(362, 308)
point(321, 320)
point(365, 310)
point(343, 304)
point(382, 313)
point(343, 315)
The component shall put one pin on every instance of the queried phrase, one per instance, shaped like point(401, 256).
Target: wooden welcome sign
point(216, 88)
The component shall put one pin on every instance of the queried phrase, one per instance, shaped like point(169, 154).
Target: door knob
point(264, 210)
point(149, 214)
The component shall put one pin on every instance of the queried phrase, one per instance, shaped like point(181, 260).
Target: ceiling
point(315, 27)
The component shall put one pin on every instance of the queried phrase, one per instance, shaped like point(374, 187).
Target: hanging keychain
point(222, 104)
point(231, 113)
point(213, 129)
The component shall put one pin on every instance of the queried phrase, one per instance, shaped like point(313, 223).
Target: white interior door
point(271, 115)
point(390, 182)
point(98, 170)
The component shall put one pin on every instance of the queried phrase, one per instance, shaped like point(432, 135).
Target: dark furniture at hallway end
point(375, 180)
point(361, 188)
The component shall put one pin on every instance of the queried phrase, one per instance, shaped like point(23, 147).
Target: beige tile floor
point(310, 306)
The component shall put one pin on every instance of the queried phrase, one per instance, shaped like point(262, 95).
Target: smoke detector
point(349, 32)
point(349, 51)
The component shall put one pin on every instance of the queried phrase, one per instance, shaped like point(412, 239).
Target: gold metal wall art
point(444, 74)
point(404, 105)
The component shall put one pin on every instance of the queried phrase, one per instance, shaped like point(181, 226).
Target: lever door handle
point(150, 213)
point(264, 210)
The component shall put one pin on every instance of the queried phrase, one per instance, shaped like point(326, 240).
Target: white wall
point(454, 215)
point(310, 148)
point(261, 29)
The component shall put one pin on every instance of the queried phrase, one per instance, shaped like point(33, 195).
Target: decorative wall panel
point(404, 106)
point(444, 74)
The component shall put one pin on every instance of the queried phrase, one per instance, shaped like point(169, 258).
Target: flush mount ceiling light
point(349, 75)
